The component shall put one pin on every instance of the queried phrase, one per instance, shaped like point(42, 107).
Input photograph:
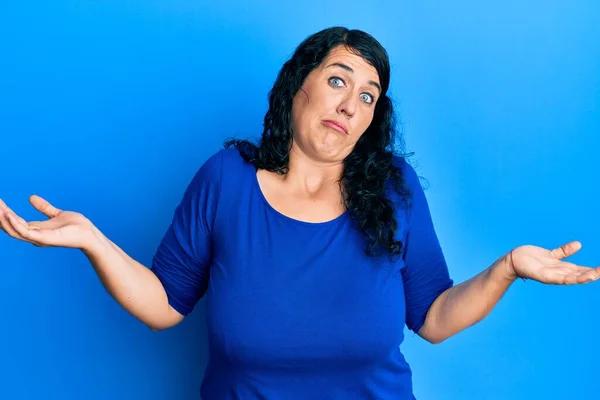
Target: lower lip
point(334, 126)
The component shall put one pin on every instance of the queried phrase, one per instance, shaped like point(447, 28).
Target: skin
point(309, 191)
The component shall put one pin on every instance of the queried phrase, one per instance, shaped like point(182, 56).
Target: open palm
point(62, 229)
point(547, 266)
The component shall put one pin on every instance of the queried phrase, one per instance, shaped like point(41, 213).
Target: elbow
point(154, 328)
point(163, 325)
point(171, 319)
point(430, 335)
point(158, 328)
point(436, 340)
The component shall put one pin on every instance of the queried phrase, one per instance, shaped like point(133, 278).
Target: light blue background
point(108, 108)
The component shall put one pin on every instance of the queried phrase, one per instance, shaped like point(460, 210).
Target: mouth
point(336, 125)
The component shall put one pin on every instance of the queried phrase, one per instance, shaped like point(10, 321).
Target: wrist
point(94, 241)
point(505, 268)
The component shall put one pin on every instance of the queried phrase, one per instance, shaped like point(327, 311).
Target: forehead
point(360, 66)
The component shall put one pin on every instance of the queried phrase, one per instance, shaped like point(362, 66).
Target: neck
point(312, 176)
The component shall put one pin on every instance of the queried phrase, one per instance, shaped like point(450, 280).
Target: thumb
point(566, 250)
point(44, 206)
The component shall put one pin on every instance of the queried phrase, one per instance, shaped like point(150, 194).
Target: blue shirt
point(296, 310)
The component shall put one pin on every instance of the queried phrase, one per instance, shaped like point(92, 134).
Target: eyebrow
point(347, 68)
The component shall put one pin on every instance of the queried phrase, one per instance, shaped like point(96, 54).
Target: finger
point(3, 214)
point(561, 278)
point(570, 268)
point(573, 278)
point(581, 269)
point(22, 230)
point(4, 209)
point(566, 250)
point(6, 226)
point(40, 237)
point(44, 206)
point(36, 224)
point(590, 275)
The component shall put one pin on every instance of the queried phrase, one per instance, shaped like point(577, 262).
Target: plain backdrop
point(109, 107)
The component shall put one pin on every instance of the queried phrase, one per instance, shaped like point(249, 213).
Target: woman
point(314, 248)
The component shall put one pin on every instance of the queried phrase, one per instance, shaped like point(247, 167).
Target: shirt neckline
point(286, 217)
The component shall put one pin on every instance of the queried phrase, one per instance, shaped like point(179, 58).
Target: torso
point(295, 309)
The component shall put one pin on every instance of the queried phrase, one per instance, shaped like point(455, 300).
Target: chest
point(282, 291)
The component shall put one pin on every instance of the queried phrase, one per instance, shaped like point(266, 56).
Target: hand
point(545, 266)
point(63, 229)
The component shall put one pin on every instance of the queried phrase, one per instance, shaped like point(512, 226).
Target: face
point(334, 106)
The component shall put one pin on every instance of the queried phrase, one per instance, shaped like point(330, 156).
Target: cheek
point(297, 116)
point(300, 105)
point(305, 114)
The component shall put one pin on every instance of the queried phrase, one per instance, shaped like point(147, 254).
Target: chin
point(331, 154)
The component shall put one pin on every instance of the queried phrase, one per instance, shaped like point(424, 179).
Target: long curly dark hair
point(369, 168)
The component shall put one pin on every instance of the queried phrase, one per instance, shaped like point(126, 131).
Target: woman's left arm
point(463, 305)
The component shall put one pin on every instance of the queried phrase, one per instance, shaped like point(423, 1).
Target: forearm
point(468, 303)
point(135, 287)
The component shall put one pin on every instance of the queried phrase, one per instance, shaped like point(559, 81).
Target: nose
point(348, 105)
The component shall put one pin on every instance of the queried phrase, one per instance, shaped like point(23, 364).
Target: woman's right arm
point(134, 286)
point(160, 296)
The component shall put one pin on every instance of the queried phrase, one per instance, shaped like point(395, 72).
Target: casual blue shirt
point(296, 310)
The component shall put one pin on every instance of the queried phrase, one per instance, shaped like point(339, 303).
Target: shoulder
point(224, 170)
point(412, 192)
point(407, 171)
point(223, 157)
point(409, 182)
point(220, 162)
point(231, 157)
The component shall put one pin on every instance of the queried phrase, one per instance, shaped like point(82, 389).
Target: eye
point(368, 98)
point(336, 81)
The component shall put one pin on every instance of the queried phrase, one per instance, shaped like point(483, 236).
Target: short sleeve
point(184, 254)
point(426, 273)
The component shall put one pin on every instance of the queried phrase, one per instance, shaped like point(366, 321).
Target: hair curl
point(369, 167)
